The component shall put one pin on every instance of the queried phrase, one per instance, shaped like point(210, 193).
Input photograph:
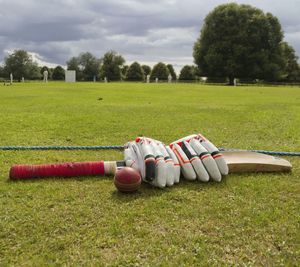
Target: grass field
point(249, 219)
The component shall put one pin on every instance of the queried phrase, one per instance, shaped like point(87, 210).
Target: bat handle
point(69, 169)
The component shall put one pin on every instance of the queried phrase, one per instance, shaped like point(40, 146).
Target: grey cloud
point(160, 30)
point(43, 32)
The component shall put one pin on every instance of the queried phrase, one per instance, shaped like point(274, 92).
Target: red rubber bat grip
point(71, 169)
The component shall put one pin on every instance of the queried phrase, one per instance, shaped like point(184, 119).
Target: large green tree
point(89, 65)
point(159, 71)
point(135, 72)
point(187, 73)
point(172, 71)
point(58, 73)
point(112, 63)
point(20, 64)
point(239, 41)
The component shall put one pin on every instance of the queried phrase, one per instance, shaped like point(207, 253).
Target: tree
point(58, 73)
point(172, 72)
point(239, 41)
point(89, 65)
point(135, 72)
point(159, 71)
point(112, 63)
point(146, 69)
point(187, 73)
point(33, 72)
point(291, 68)
point(20, 64)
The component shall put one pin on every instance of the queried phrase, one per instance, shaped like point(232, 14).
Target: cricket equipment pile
point(193, 157)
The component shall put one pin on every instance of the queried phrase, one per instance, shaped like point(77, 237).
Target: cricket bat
point(238, 162)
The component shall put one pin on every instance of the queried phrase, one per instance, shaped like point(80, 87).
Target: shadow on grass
point(146, 191)
point(145, 186)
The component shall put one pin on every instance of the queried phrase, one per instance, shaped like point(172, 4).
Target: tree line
point(236, 41)
point(89, 68)
point(21, 65)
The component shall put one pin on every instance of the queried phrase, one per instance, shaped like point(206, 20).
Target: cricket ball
point(127, 180)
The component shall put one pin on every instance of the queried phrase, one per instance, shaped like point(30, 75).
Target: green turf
point(250, 219)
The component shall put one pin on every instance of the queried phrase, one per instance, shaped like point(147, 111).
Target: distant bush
point(187, 73)
point(58, 73)
point(135, 72)
point(160, 71)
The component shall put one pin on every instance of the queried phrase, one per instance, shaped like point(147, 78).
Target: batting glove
point(199, 158)
point(156, 163)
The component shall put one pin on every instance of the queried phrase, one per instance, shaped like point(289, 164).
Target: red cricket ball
point(127, 180)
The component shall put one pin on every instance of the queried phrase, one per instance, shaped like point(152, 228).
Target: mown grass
point(248, 219)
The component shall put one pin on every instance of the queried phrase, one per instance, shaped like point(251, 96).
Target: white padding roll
point(145, 147)
point(207, 160)
point(176, 165)
point(137, 160)
point(186, 166)
point(160, 173)
point(170, 170)
point(160, 166)
point(218, 157)
point(223, 167)
point(200, 170)
point(144, 151)
point(130, 159)
point(212, 168)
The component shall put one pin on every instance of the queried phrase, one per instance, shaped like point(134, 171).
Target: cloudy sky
point(145, 31)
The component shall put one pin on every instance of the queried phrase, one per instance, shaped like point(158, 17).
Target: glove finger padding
point(192, 166)
point(214, 151)
point(170, 171)
point(176, 164)
point(160, 166)
point(148, 157)
point(207, 160)
point(151, 158)
point(140, 159)
point(196, 147)
point(186, 166)
point(131, 159)
point(199, 168)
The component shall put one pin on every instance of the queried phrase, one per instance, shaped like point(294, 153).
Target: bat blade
point(244, 161)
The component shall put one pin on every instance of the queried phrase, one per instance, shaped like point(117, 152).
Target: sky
point(144, 31)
